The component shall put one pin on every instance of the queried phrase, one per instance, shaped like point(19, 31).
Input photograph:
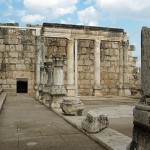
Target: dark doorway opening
point(22, 86)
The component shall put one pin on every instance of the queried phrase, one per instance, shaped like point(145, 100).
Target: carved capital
point(58, 59)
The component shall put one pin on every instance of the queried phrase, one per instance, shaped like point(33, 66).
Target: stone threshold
point(108, 138)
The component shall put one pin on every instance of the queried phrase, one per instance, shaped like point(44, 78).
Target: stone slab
point(108, 138)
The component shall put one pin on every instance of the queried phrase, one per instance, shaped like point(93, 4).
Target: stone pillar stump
point(141, 112)
point(57, 90)
point(72, 106)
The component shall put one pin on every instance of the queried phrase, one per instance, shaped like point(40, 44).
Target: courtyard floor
point(25, 124)
point(118, 109)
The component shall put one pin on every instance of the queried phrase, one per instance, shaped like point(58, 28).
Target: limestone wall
point(17, 57)
point(109, 67)
point(85, 67)
point(56, 45)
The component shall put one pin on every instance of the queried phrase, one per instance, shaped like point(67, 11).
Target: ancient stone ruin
point(95, 121)
point(141, 113)
point(72, 106)
point(57, 60)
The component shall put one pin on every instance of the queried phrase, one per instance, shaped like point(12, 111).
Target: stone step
point(10, 91)
point(2, 99)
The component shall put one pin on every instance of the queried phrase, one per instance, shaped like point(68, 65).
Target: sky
point(130, 15)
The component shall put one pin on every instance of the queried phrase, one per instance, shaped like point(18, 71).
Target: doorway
point(22, 85)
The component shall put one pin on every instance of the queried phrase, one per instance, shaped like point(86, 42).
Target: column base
point(38, 88)
point(126, 87)
point(121, 92)
point(37, 95)
point(57, 93)
point(71, 90)
point(141, 130)
point(46, 99)
point(127, 92)
point(97, 90)
point(124, 92)
point(56, 100)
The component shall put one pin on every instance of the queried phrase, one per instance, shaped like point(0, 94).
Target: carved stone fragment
point(95, 121)
point(72, 106)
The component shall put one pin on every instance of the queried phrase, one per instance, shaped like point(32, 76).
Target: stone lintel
point(10, 24)
point(80, 27)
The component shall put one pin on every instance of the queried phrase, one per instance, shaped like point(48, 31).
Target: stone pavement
point(118, 109)
point(25, 124)
point(120, 113)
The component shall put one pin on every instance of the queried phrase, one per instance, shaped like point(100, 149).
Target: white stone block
point(95, 121)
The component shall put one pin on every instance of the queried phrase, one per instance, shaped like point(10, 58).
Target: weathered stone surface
point(72, 106)
point(145, 56)
point(141, 113)
point(18, 46)
point(95, 121)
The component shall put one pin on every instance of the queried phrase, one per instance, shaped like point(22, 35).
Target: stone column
point(41, 73)
point(39, 48)
point(121, 91)
point(41, 81)
point(57, 91)
point(126, 85)
point(76, 66)
point(58, 77)
point(70, 68)
point(141, 112)
point(97, 85)
point(49, 70)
